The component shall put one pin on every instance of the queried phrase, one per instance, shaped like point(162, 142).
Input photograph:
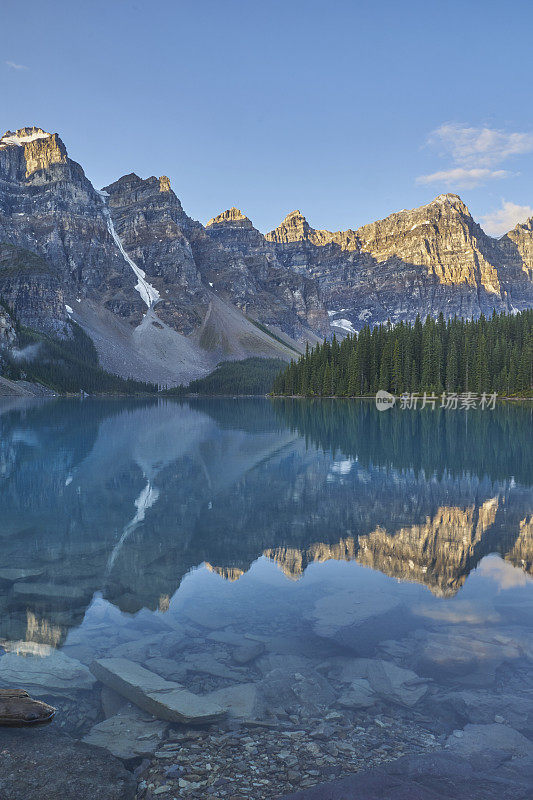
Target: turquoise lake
point(300, 563)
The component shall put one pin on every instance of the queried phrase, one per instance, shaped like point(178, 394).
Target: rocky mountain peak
point(518, 246)
point(440, 236)
point(450, 202)
point(146, 192)
point(526, 226)
point(30, 150)
point(232, 216)
point(23, 136)
point(294, 228)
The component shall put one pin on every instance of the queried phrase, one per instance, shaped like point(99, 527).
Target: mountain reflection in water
point(124, 499)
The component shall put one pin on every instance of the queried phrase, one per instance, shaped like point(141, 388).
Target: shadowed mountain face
point(140, 276)
point(124, 499)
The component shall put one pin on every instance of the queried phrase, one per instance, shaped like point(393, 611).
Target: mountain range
point(165, 298)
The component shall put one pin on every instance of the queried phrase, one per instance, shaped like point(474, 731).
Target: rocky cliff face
point(7, 331)
point(187, 263)
point(32, 288)
point(103, 257)
point(257, 281)
point(111, 254)
point(48, 207)
point(430, 259)
point(155, 232)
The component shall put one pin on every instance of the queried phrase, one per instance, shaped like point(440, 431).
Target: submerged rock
point(359, 695)
point(44, 671)
point(17, 708)
point(242, 701)
point(452, 654)
point(307, 691)
point(248, 651)
point(481, 707)
point(359, 622)
point(128, 734)
point(385, 679)
point(12, 574)
point(206, 663)
point(479, 739)
point(164, 699)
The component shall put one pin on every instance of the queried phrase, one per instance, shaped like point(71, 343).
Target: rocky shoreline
point(266, 714)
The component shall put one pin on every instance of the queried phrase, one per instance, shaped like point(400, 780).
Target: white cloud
point(463, 178)
point(12, 65)
point(504, 219)
point(479, 147)
point(502, 572)
point(474, 153)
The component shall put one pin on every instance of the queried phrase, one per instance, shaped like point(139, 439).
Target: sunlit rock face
point(37, 151)
point(294, 562)
point(522, 238)
point(440, 553)
point(517, 246)
point(521, 554)
point(442, 237)
point(295, 228)
point(426, 260)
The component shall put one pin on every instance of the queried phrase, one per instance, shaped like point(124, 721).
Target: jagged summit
point(128, 180)
point(452, 200)
point(34, 154)
point(24, 136)
point(232, 215)
point(424, 260)
point(442, 204)
point(449, 197)
point(293, 228)
point(152, 185)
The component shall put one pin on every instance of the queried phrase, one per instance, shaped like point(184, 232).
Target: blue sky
point(346, 110)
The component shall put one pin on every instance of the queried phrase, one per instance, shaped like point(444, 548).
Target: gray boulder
point(50, 673)
point(474, 739)
point(129, 734)
point(164, 699)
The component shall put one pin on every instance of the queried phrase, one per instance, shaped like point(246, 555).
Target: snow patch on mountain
point(345, 324)
point(149, 293)
point(12, 138)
